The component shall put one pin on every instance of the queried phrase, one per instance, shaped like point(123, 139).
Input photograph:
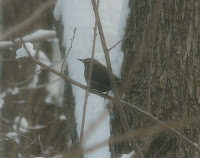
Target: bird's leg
point(107, 92)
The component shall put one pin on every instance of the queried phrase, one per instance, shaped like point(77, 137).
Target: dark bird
point(100, 78)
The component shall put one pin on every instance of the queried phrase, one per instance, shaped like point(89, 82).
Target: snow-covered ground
point(79, 14)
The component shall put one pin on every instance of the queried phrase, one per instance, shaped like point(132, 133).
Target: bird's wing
point(100, 73)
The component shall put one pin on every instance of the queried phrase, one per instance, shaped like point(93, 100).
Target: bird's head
point(86, 61)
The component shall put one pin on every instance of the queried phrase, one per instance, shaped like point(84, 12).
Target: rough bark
point(160, 72)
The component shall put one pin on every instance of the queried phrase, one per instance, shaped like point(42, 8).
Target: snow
point(21, 124)
point(1, 100)
point(21, 52)
point(57, 156)
point(13, 136)
point(40, 33)
point(36, 36)
point(49, 99)
point(55, 95)
point(62, 117)
point(44, 59)
point(37, 127)
point(13, 91)
point(79, 14)
point(128, 155)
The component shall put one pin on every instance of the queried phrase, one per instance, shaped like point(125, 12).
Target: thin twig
point(26, 80)
point(137, 109)
point(27, 22)
point(12, 41)
point(89, 80)
point(26, 49)
point(113, 85)
point(41, 146)
point(149, 79)
point(41, 85)
point(34, 142)
point(72, 40)
point(117, 43)
point(49, 155)
point(20, 134)
point(13, 60)
point(137, 133)
point(13, 141)
point(148, 115)
point(140, 132)
point(43, 36)
point(126, 37)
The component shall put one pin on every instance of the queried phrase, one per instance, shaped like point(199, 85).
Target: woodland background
point(160, 72)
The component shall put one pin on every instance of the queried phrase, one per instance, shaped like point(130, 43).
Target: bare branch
point(126, 37)
point(26, 80)
point(20, 134)
point(49, 155)
point(27, 22)
point(112, 80)
point(137, 109)
point(141, 132)
point(34, 37)
point(41, 146)
point(13, 141)
point(88, 81)
point(41, 85)
point(72, 40)
point(13, 60)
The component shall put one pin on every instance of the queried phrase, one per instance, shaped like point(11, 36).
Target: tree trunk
point(161, 74)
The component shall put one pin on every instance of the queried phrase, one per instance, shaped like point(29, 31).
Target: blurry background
point(32, 98)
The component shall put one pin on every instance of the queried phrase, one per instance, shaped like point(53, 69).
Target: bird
point(100, 79)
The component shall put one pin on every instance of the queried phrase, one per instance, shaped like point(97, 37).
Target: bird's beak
point(82, 60)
